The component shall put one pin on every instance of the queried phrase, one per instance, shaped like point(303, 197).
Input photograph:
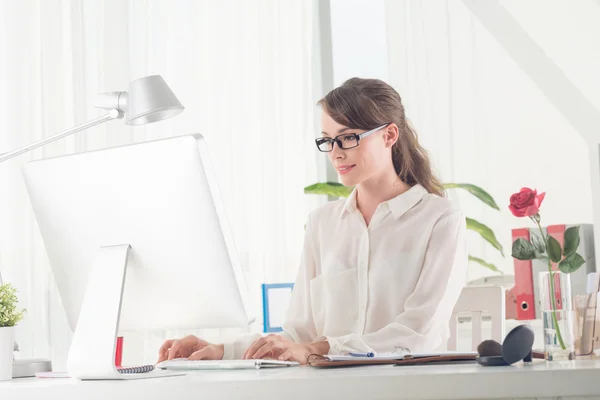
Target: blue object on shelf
point(266, 287)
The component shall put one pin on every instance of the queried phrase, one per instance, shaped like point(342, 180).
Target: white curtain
point(247, 73)
point(481, 115)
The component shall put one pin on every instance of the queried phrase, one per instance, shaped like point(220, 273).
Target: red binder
point(523, 289)
point(510, 303)
point(119, 352)
point(558, 233)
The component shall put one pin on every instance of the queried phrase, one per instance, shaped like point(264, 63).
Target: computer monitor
point(143, 223)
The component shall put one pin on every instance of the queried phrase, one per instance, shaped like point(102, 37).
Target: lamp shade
point(149, 99)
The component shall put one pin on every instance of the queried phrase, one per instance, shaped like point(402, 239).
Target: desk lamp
point(149, 99)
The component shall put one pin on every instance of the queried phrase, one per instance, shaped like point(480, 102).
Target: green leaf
point(329, 188)
point(9, 314)
point(571, 263)
point(475, 191)
point(485, 264)
point(554, 251)
point(485, 233)
point(571, 240)
point(538, 242)
point(523, 249)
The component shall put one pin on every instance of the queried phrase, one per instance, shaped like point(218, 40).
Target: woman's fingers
point(287, 355)
point(265, 350)
point(202, 354)
point(163, 352)
point(272, 350)
point(174, 350)
point(251, 351)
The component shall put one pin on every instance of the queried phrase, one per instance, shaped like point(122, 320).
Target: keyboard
point(183, 364)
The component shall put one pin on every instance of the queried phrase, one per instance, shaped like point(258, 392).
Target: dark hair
point(368, 103)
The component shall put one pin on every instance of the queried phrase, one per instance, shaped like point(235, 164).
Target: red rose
point(526, 203)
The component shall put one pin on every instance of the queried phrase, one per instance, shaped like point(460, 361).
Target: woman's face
point(372, 156)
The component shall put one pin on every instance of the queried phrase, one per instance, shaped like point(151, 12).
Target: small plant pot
point(7, 341)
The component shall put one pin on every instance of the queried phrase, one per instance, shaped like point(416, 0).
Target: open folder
point(319, 361)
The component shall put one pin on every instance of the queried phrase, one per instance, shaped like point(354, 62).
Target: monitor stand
point(92, 352)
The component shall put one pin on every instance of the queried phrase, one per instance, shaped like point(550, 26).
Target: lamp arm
point(113, 114)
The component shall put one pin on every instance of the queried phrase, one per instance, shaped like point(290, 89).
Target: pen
point(362, 354)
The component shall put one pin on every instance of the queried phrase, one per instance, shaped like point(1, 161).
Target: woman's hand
point(279, 348)
point(264, 347)
point(190, 347)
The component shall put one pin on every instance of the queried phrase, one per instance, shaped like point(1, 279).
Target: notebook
point(123, 370)
point(366, 357)
point(135, 370)
point(319, 361)
point(184, 364)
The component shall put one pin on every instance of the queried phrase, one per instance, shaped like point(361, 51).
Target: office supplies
point(558, 233)
point(119, 351)
point(587, 332)
point(319, 361)
point(362, 354)
point(517, 346)
point(133, 233)
point(366, 356)
point(523, 281)
point(140, 369)
point(510, 303)
point(148, 99)
point(190, 365)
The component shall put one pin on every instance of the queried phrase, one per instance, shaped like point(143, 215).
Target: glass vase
point(558, 315)
point(587, 325)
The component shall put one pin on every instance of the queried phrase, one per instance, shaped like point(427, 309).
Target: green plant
point(546, 248)
point(9, 315)
point(338, 190)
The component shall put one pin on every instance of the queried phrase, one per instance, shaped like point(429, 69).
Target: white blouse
point(378, 288)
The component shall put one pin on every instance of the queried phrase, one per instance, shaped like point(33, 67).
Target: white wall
point(482, 117)
point(359, 39)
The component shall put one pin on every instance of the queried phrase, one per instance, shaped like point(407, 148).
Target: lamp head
point(149, 99)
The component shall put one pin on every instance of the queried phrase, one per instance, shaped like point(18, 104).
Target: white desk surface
point(576, 379)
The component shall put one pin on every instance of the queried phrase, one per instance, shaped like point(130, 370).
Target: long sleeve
point(234, 349)
point(299, 325)
point(428, 308)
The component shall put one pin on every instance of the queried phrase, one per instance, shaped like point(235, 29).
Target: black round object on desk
point(517, 346)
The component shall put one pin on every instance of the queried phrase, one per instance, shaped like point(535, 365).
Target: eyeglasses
point(345, 141)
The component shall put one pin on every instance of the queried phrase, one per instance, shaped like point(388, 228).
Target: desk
point(579, 379)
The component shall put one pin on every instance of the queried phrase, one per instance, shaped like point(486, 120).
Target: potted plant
point(9, 317)
point(555, 284)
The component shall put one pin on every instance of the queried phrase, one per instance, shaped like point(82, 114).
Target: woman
point(381, 270)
